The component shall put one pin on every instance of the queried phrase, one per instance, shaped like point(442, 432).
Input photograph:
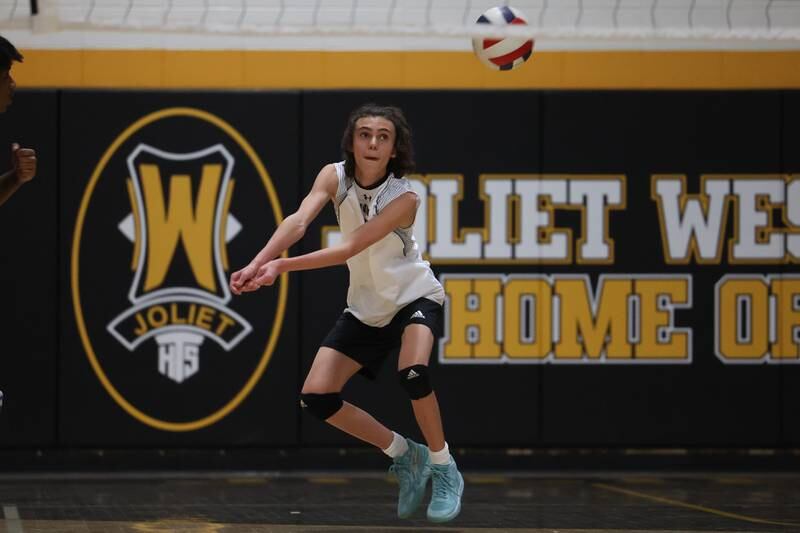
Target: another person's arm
point(24, 169)
point(292, 228)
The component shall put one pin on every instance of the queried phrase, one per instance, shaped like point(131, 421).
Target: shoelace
point(442, 483)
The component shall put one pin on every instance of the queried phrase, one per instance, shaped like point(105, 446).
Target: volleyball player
point(394, 300)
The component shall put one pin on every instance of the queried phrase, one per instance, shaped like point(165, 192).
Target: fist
point(241, 280)
point(24, 162)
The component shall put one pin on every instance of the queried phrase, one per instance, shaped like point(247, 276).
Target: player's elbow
point(296, 224)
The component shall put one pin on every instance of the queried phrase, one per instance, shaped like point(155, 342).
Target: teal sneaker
point(448, 486)
point(412, 470)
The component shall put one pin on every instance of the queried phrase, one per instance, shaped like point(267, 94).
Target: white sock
point(398, 447)
point(442, 457)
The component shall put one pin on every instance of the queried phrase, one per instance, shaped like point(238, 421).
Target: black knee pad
point(415, 381)
point(323, 406)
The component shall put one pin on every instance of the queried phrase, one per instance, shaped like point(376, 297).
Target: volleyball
point(505, 53)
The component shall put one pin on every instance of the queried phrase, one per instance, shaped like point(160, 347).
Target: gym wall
point(582, 310)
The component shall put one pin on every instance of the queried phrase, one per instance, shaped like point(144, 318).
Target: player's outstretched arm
point(24, 169)
point(290, 230)
point(398, 214)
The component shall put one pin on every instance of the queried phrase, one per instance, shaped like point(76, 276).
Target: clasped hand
point(252, 277)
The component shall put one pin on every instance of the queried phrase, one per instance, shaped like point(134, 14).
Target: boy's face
point(373, 143)
point(7, 87)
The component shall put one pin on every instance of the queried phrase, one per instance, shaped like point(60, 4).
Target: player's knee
point(415, 380)
point(323, 406)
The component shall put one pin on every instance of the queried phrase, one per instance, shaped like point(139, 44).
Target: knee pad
point(415, 381)
point(323, 406)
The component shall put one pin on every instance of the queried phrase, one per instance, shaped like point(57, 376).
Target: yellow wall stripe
point(238, 69)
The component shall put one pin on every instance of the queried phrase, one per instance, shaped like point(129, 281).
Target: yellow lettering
point(193, 225)
point(174, 318)
point(157, 316)
point(536, 344)
point(142, 329)
point(592, 333)
point(472, 318)
point(743, 318)
point(224, 322)
point(205, 317)
point(787, 293)
point(658, 341)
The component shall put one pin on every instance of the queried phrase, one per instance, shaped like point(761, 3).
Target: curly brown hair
point(403, 162)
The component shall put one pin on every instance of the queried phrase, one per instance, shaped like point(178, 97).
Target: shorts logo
point(171, 198)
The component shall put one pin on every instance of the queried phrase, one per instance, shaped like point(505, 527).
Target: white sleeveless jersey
point(391, 273)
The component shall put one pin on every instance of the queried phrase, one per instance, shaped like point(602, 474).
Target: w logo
point(179, 227)
point(177, 201)
point(193, 212)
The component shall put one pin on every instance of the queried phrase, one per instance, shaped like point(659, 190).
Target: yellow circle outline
point(283, 291)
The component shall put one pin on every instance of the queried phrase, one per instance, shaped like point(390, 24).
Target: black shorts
point(370, 346)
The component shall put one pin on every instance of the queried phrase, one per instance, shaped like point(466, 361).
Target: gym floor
point(317, 503)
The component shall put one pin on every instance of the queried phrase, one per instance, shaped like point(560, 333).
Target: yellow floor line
point(642, 481)
point(486, 480)
point(701, 508)
point(329, 480)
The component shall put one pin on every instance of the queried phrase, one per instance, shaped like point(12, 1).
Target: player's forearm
point(335, 255)
point(289, 232)
point(8, 185)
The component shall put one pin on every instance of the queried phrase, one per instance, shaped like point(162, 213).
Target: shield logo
point(168, 199)
point(179, 302)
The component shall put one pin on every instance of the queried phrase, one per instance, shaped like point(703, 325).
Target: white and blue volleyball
point(505, 53)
